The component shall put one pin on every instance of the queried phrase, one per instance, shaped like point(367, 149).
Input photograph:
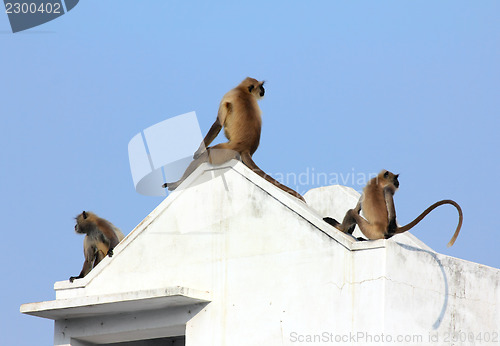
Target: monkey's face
point(78, 229)
point(262, 90)
point(391, 178)
point(80, 220)
point(254, 87)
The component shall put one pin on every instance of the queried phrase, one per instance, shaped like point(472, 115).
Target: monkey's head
point(387, 178)
point(82, 220)
point(254, 87)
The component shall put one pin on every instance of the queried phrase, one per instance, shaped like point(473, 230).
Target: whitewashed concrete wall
point(276, 274)
point(440, 299)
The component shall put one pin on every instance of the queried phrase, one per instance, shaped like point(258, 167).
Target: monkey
point(101, 237)
point(240, 115)
point(378, 208)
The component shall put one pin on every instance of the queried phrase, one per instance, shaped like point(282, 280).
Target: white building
point(230, 259)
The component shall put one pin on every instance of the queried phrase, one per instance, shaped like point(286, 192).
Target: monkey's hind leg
point(99, 257)
point(331, 221)
point(371, 231)
point(347, 225)
point(216, 155)
point(190, 169)
point(222, 153)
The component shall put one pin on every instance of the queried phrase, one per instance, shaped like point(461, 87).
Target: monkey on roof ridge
point(240, 115)
point(380, 214)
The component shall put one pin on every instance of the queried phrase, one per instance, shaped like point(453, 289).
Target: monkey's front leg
point(87, 266)
point(212, 133)
point(113, 241)
point(391, 213)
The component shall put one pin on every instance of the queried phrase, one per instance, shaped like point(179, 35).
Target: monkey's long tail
point(428, 210)
point(247, 160)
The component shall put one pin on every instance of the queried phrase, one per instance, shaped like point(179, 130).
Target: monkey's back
point(118, 233)
point(374, 206)
point(99, 231)
point(241, 117)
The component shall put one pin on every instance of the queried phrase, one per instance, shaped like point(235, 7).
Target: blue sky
point(351, 88)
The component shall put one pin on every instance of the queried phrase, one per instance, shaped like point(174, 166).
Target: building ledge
point(164, 298)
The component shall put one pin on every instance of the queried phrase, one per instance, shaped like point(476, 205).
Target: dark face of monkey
point(262, 90)
point(79, 222)
point(255, 87)
point(78, 229)
point(392, 178)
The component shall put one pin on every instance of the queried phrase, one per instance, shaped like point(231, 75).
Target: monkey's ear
point(250, 88)
point(386, 174)
point(84, 214)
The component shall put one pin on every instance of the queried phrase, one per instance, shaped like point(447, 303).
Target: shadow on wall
point(437, 323)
